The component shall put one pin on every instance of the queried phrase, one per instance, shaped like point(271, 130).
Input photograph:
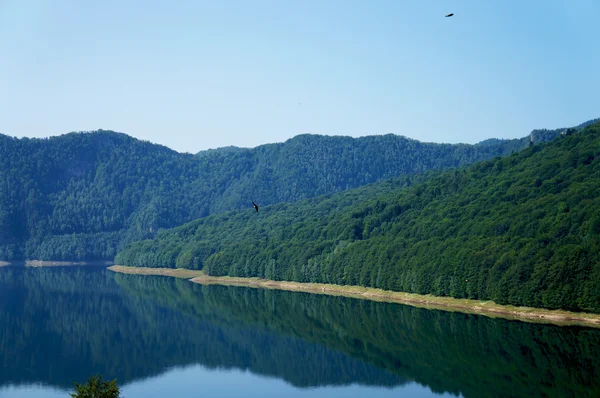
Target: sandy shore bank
point(487, 308)
point(174, 272)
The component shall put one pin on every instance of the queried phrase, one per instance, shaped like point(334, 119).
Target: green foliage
point(83, 195)
point(96, 388)
point(520, 230)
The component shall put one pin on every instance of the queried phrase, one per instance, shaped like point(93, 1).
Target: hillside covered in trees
point(81, 196)
point(521, 230)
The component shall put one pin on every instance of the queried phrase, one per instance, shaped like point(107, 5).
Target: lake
point(161, 337)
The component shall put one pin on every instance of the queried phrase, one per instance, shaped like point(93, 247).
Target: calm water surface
point(165, 337)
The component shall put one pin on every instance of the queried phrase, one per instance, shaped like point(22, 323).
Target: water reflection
point(449, 352)
point(63, 324)
point(190, 381)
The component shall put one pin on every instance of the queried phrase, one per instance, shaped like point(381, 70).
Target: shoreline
point(41, 263)
point(477, 307)
point(44, 263)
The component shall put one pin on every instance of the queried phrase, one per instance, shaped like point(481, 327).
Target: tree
point(96, 388)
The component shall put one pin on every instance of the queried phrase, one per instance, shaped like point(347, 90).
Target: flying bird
point(449, 15)
point(255, 206)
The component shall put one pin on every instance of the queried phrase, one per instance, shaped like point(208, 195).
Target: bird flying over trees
point(255, 206)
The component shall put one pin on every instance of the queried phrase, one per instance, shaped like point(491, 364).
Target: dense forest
point(81, 196)
point(521, 230)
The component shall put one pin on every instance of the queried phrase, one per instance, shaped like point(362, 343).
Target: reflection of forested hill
point(458, 353)
point(59, 325)
point(63, 324)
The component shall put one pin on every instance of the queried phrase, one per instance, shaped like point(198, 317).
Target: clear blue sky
point(199, 74)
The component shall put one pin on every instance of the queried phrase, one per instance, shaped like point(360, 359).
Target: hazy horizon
point(289, 138)
point(201, 75)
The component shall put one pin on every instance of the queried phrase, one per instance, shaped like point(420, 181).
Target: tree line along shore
point(486, 308)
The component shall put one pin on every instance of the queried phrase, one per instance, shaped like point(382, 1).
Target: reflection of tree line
point(54, 329)
point(59, 325)
point(452, 352)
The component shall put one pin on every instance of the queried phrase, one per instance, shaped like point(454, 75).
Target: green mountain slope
point(522, 230)
point(82, 195)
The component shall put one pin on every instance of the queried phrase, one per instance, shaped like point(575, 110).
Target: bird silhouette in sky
point(449, 15)
point(255, 206)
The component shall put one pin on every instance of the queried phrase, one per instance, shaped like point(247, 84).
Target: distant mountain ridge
point(538, 135)
point(81, 196)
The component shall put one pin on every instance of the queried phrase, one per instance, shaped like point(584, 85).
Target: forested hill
point(80, 196)
point(522, 230)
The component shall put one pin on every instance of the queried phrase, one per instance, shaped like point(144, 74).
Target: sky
point(201, 74)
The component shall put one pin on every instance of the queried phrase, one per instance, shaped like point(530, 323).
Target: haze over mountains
point(82, 196)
